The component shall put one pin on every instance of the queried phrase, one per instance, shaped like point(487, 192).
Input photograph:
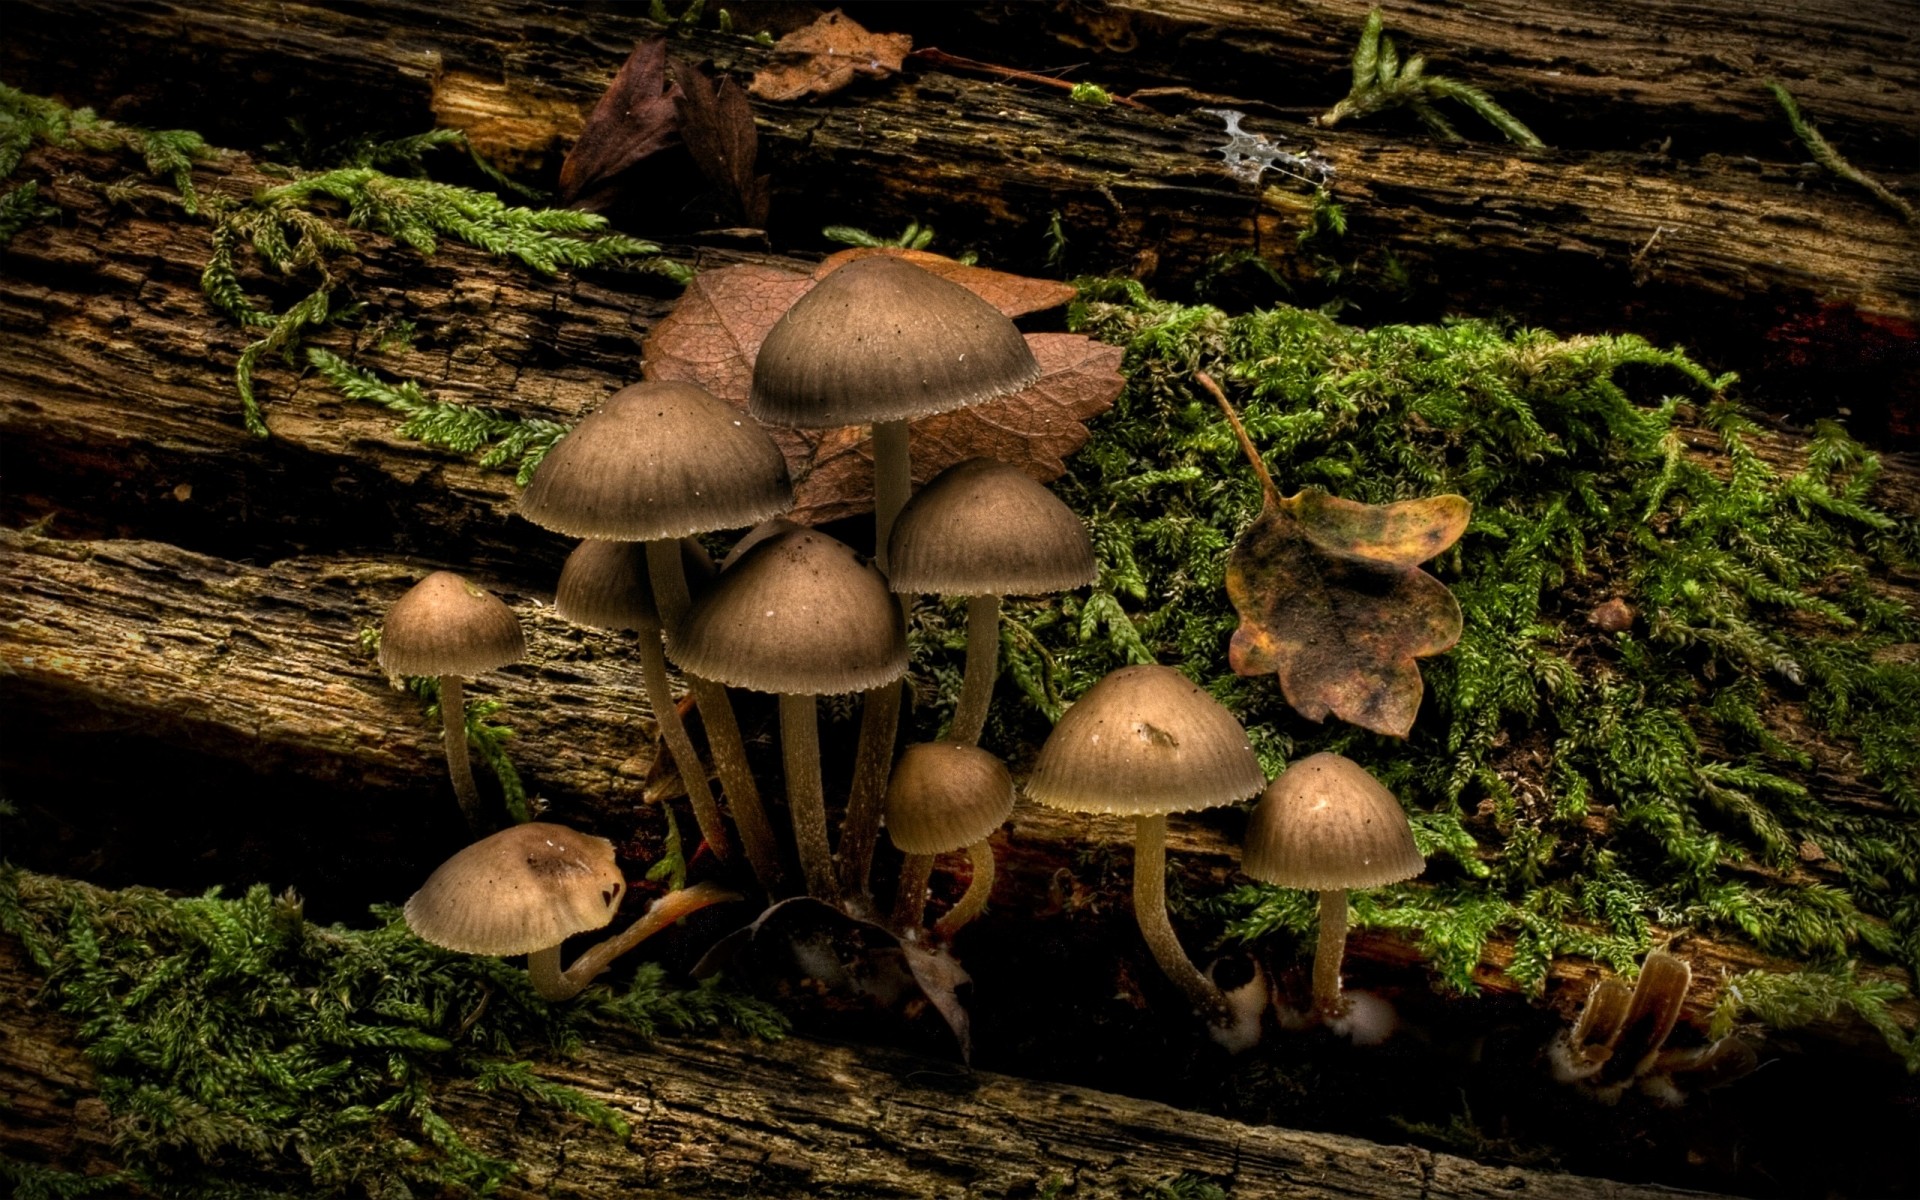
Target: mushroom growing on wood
point(1143, 742)
point(447, 627)
point(527, 889)
point(945, 796)
point(1325, 824)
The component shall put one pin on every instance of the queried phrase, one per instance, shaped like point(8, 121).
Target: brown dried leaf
point(634, 119)
point(826, 56)
point(717, 125)
point(1013, 295)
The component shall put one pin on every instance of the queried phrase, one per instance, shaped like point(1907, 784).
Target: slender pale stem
point(806, 795)
point(872, 764)
point(671, 597)
point(1327, 956)
point(453, 726)
point(693, 772)
point(543, 966)
point(892, 482)
point(910, 899)
point(1150, 909)
point(983, 669)
point(974, 901)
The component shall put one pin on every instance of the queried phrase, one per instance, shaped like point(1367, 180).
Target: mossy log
point(739, 1117)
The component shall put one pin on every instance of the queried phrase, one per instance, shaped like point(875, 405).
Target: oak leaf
point(634, 119)
point(821, 58)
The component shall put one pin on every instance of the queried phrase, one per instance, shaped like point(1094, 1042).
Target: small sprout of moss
point(1824, 154)
point(914, 237)
point(1090, 94)
point(1383, 82)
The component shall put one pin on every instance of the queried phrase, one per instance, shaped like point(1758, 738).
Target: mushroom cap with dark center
point(445, 625)
point(523, 889)
point(983, 528)
point(883, 340)
point(1324, 823)
point(658, 460)
point(1145, 740)
point(946, 796)
point(798, 614)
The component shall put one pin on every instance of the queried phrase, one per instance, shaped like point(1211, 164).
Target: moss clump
point(245, 1052)
point(1575, 787)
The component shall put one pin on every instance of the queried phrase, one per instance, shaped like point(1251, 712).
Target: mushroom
point(983, 530)
point(1325, 824)
point(799, 615)
point(447, 627)
point(1143, 742)
point(528, 888)
point(657, 462)
point(945, 796)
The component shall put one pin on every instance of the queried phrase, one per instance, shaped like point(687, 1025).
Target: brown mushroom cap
point(605, 584)
point(1324, 823)
point(445, 625)
point(1145, 740)
point(983, 528)
point(523, 889)
point(659, 460)
point(946, 796)
point(883, 340)
point(798, 614)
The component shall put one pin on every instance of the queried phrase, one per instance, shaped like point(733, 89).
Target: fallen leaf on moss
point(824, 57)
point(714, 333)
point(635, 118)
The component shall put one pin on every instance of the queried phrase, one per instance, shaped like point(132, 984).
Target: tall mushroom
point(1143, 742)
point(657, 462)
point(945, 796)
point(527, 889)
point(799, 615)
point(983, 530)
point(447, 627)
point(1327, 825)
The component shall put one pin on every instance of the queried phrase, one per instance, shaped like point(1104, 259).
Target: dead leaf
point(634, 119)
point(826, 56)
point(716, 123)
point(713, 335)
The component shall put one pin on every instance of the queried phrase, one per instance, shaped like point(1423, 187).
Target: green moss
point(1575, 789)
point(245, 1052)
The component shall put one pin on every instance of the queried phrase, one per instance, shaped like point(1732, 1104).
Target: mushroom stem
point(806, 795)
point(552, 983)
point(910, 899)
point(892, 482)
point(872, 764)
point(672, 597)
point(453, 725)
point(983, 669)
point(693, 772)
point(974, 901)
point(1150, 910)
point(543, 967)
point(1327, 955)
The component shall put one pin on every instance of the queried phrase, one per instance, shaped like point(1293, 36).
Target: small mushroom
point(447, 627)
point(526, 889)
point(983, 530)
point(1143, 742)
point(945, 796)
point(1325, 824)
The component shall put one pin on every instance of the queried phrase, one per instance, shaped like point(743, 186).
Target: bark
point(732, 1117)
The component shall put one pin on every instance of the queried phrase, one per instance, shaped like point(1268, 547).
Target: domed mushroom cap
point(798, 614)
point(883, 340)
point(520, 890)
point(946, 796)
point(605, 584)
point(1324, 823)
point(1145, 740)
point(659, 460)
point(983, 528)
point(447, 626)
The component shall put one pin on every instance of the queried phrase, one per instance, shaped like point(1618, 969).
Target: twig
point(941, 58)
point(1267, 486)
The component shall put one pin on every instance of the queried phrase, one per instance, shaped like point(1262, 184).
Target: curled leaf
point(829, 54)
point(636, 118)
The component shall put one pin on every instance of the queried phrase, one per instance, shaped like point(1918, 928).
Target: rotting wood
point(736, 1116)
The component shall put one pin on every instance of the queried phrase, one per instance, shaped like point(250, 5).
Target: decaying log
point(739, 1117)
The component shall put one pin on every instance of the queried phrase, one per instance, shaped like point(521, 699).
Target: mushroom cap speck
point(1324, 823)
point(658, 460)
point(1145, 740)
point(984, 528)
point(946, 796)
point(880, 339)
point(445, 625)
point(523, 889)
